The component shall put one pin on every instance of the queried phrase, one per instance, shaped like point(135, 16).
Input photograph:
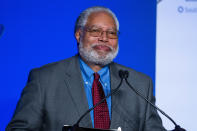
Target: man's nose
point(103, 36)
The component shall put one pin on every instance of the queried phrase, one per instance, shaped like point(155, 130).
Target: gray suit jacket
point(54, 96)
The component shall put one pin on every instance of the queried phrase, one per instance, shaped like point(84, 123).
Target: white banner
point(176, 62)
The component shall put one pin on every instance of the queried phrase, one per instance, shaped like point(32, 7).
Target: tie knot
point(96, 76)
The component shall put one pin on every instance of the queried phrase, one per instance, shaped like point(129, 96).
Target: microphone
point(125, 75)
point(122, 76)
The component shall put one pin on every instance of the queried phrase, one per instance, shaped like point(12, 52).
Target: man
point(59, 93)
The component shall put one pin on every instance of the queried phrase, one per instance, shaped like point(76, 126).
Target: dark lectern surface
point(70, 128)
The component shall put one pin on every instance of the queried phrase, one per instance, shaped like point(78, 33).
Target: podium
point(74, 128)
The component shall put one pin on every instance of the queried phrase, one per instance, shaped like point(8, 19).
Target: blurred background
point(157, 38)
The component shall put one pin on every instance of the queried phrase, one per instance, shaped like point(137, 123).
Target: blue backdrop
point(39, 32)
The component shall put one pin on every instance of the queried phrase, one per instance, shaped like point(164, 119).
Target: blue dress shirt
point(88, 77)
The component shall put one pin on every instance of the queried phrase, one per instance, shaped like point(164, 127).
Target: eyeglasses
point(97, 32)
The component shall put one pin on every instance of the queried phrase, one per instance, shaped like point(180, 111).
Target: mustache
point(101, 44)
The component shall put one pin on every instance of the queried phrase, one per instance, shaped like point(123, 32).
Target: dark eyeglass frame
point(97, 32)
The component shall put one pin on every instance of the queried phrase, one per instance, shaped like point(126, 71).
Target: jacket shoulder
point(132, 73)
point(58, 66)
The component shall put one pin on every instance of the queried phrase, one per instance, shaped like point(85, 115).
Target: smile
point(102, 47)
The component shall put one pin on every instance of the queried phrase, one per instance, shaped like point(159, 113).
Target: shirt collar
point(88, 72)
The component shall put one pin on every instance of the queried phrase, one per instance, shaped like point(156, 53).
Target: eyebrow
point(95, 26)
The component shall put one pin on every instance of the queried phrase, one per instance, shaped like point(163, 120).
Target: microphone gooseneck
point(121, 73)
point(125, 75)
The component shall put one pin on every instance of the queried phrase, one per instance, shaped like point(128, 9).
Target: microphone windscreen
point(126, 74)
point(121, 73)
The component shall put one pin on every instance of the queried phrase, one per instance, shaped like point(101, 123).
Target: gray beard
point(91, 56)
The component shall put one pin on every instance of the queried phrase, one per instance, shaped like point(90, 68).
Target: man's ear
point(78, 35)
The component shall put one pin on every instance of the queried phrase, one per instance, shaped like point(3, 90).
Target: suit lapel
point(75, 84)
point(115, 80)
point(120, 118)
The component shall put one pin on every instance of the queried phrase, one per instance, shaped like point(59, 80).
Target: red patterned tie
point(101, 112)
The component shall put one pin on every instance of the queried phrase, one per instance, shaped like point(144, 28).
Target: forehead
point(101, 19)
